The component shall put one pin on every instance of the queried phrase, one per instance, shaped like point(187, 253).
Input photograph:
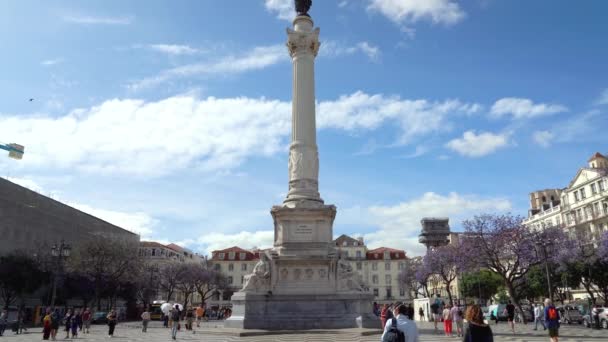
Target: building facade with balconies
point(582, 209)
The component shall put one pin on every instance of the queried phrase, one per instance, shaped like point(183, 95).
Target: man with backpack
point(400, 328)
point(552, 320)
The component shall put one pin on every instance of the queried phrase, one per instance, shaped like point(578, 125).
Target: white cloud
point(603, 99)
point(244, 239)
point(372, 52)
point(414, 117)
point(582, 127)
point(156, 138)
point(284, 9)
point(94, 20)
point(334, 49)
point(137, 222)
point(420, 151)
point(400, 224)
point(255, 59)
point(521, 108)
point(173, 49)
point(51, 62)
point(478, 145)
point(411, 11)
point(543, 138)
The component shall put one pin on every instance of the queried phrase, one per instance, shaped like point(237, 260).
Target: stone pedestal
point(302, 312)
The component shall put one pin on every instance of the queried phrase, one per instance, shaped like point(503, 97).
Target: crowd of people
point(398, 321)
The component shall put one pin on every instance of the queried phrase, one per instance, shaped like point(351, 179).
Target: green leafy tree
point(19, 275)
point(482, 284)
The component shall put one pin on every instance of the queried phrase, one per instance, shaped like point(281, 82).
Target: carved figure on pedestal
point(259, 280)
point(348, 279)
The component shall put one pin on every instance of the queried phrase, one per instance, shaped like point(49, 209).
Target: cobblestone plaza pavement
point(214, 332)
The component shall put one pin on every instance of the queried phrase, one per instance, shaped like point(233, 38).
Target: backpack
point(552, 313)
point(393, 334)
point(435, 308)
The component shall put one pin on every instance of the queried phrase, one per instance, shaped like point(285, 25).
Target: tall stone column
point(300, 283)
point(303, 45)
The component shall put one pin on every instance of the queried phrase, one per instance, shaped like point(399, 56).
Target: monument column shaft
point(303, 113)
point(303, 45)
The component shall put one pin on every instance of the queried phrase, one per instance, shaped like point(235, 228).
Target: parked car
point(496, 310)
point(528, 315)
point(570, 314)
point(603, 315)
point(99, 317)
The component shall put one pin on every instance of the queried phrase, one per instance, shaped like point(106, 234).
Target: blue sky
point(172, 119)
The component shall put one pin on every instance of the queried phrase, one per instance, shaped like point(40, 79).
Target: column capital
point(302, 42)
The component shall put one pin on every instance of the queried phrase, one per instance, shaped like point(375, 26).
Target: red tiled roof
point(176, 248)
point(151, 244)
point(249, 255)
point(378, 254)
point(596, 155)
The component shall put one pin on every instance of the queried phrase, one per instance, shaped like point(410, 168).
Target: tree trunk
point(589, 290)
point(515, 300)
point(449, 291)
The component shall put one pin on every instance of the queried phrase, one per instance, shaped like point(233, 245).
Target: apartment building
point(582, 206)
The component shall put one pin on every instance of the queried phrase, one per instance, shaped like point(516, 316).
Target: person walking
point(595, 317)
point(165, 320)
point(55, 323)
point(385, 314)
point(476, 330)
point(510, 310)
point(112, 318)
point(3, 321)
point(421, 314)
point(46, 325)
point(67, 320)
point(189, 318)
point(76, 322)
point(21, 322)
point(145, 318)
point(447, 320)
point(400, 323)
point(437, 310)
point(175, 317)
point(457, 319)
point(552, 320)
point(538, 316)
point(200, 312)
point(86, 320)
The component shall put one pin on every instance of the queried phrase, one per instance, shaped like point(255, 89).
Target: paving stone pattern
point(211, 332)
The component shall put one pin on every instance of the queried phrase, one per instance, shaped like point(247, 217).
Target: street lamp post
point(544, 245)
point(59, 253)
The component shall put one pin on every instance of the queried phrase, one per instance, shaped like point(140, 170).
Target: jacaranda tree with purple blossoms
point(504, 246)
point(447, 263)
point(408, 279)
point(578, 256)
